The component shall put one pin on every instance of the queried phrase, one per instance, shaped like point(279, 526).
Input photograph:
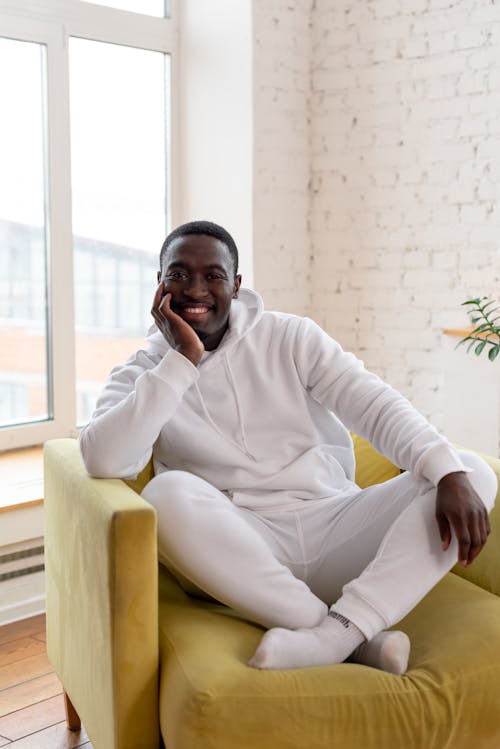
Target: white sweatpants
point(374, 556)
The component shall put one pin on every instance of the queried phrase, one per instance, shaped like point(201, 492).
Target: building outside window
point(85, 200)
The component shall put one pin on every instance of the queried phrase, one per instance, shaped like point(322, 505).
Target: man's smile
point(192, 311)
point(196, 310)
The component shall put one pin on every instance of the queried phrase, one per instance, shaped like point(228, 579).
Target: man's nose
point(196, 287)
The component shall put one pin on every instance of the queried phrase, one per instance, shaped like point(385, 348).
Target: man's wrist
point(453, 477)
point(194, 355)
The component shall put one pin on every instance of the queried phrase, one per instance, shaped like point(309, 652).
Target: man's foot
point(332, 641)
point(388, 651)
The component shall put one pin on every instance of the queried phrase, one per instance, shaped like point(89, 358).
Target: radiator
point(22, 580)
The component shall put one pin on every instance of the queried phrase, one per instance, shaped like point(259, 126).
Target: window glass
point(119, 130)
point(24, 390)
point(157, 8)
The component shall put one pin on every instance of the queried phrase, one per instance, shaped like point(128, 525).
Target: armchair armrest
point(485, 569)
point(102, 600)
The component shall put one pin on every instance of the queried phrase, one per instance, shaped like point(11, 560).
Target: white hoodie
point(255, 417)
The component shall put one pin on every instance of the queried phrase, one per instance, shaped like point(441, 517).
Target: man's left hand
point(460, 509)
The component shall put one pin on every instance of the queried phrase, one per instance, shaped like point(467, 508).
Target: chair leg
point(72, 718)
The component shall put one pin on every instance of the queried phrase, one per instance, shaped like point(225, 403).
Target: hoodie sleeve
point(370, 407)
point(137, 401)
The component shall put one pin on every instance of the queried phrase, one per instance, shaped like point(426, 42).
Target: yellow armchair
point(140, 659)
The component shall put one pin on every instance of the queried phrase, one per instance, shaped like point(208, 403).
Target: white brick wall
point(282, 167)
point(377, 173)
point(405, 161)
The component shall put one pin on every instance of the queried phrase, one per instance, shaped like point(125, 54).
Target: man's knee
point(166, 483)
point(170, 486)
point(181, 497)
point(482, 477)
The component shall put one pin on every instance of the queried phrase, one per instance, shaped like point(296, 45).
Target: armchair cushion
point(450, 697)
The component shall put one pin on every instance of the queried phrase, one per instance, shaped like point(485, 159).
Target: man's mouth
point(193, 312)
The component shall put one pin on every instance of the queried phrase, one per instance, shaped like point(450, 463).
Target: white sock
point(332, 641)
point(388, 651)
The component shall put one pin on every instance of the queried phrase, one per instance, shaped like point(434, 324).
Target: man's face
point(198, 271)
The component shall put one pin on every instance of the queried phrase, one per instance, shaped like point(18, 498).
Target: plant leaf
point(488, 304)
point(480, 328)
point(493, 352)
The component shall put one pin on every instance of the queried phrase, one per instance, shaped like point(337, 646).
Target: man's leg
point(209, 541)
point(408, 561)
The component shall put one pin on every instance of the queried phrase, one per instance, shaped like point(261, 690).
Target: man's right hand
point(174, 329)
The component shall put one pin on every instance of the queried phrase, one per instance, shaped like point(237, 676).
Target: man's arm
point(139, 399)
point(131, 411)
point(374, 410)
point(370, 407)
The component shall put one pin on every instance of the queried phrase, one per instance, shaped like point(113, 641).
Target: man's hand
point(174, 329)
point(459, 508)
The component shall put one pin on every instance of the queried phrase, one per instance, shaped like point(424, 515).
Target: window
point(85, 200)
point(25, 394)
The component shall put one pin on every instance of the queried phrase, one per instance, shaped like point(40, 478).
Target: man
point(254, 486)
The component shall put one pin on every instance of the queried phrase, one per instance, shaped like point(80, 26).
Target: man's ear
point(237, 284)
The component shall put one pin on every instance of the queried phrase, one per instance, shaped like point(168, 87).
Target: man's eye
point(215, 277)
point(176, 274)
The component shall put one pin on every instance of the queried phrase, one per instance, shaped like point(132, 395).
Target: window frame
point(52, 23)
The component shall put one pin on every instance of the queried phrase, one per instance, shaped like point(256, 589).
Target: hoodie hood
point(245, 312)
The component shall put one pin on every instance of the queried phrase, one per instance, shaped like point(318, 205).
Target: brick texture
point(282, 166)
point(377, 173)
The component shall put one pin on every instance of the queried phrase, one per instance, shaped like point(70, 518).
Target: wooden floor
point(32, 714)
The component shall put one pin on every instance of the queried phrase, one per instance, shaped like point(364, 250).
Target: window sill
point(21, 478)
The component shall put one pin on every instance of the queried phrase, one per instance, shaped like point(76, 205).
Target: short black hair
point(202, 227)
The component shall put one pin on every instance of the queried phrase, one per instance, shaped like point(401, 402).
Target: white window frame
point(52, 23)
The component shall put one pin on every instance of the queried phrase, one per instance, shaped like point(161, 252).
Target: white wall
point(214, 127)
point(282, 165)
point(405, 213)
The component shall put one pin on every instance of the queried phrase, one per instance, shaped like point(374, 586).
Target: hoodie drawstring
point(238, 408)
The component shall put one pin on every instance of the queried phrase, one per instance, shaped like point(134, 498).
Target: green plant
point(487, 332)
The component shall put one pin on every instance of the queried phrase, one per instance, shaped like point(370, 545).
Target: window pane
point(118, 146)
point(157, 8)
point(24, 393)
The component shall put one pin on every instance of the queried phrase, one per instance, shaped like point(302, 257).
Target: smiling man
point(254, 475)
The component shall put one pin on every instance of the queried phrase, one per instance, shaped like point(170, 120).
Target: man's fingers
point(464, 545)
point(444, 531)
point(487, 525)
point(476, 540)
point(483, 531)
point(157, 297)
point(471, 539)
point(165, 304)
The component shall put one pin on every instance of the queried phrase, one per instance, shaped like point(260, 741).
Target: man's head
point(208, 229)
point(198, 266)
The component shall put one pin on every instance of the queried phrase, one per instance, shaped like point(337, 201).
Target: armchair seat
point(134, 660)
point(450, 696)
